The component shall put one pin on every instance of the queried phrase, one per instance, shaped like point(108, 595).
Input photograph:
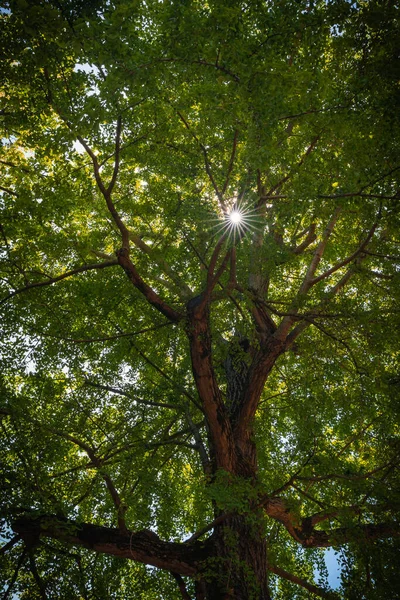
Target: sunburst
point(240, 219)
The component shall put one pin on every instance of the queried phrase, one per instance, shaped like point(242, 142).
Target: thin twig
point(113, 390)
point(317, 591)
point(110, 263)
point(117, 156)
point(105, 338)
point(231, 162)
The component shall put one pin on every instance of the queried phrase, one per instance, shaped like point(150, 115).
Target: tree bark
point(142, 546)
point(239, 561)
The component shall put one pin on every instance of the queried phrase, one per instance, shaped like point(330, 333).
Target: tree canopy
point(199, 298)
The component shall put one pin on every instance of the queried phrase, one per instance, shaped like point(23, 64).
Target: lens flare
point(238, 219)
point(235, 216)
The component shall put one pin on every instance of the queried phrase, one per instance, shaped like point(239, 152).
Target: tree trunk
point(237, 570)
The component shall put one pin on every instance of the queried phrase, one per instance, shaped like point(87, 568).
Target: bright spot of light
point(238, 219)
point(235, 216)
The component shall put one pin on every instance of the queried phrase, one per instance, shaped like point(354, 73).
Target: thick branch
point(261, 367)
point(181, 585)
point(38, 579)
point(143, 546)
point(213, 282)
point(305, 533)
point(366, 533)
point(214, 258)
point(308, 240)
point(198, 330)
point(151, 296)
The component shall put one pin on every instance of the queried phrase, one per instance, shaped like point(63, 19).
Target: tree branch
point(205, 461)
point(213, 282)
point(208, 527)
point(207, 164)
point(347, 260)
point(231, 161)
point(106, 192)
point(305, 533)
point(181, 585)
point(214, 258)
point(38, 579)
point(287, 322)
point(117, 157)
point(175, 385)
point(308, 280)
point(98, 463)
point(51, 280)
point(309, 239)
point(113, 390)
point(105, 338)
point(181, 285)
point(220, 431)
point(280, 183)
point(8, 191)
point(261, 366)
point(142, 546)
point(151, 296)
point(15, 574)
point(308, 586)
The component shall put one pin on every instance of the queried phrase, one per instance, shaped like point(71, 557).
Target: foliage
point(139, 126)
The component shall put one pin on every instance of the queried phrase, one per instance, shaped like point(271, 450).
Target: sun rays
point(240, 219)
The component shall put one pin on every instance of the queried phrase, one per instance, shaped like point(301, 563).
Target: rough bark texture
point(240, 560)
point(142, 546)
point(237, 565)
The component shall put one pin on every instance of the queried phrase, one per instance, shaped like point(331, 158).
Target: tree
point(200, 286)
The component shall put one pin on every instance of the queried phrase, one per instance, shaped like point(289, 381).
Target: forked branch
point(305, 533)
point(220, 430)
point(308, 280)
point(106, 191)
point(347, 260)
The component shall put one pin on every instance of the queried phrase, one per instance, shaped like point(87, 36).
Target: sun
point(235, 216)
point(238, 219)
